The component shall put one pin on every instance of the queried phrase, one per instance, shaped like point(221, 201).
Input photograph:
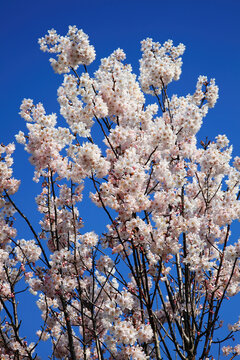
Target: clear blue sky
point(209, 29)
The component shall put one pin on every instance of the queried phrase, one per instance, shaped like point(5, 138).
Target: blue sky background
point(209, 29)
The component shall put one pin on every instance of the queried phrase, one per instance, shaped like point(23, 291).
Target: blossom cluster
point(73, 49)
point(159, 65)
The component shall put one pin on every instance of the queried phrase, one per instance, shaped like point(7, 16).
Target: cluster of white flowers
point(159, 65)
point(27, 250)
point(89, 239)
point(145, 333)
point(119, 89)
point(45, 141)
point(5, 289)
point(235, 350)
point(210, 93)
point(7, 182)
point(186, 117)
point(125, 300)
point(135, 352)
point(124, 332)
point(73, 49)
point(235, 327)
point(105, 264)
point(88, 157)
point(78, 116)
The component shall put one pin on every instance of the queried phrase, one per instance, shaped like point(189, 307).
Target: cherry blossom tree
point(153, 284)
